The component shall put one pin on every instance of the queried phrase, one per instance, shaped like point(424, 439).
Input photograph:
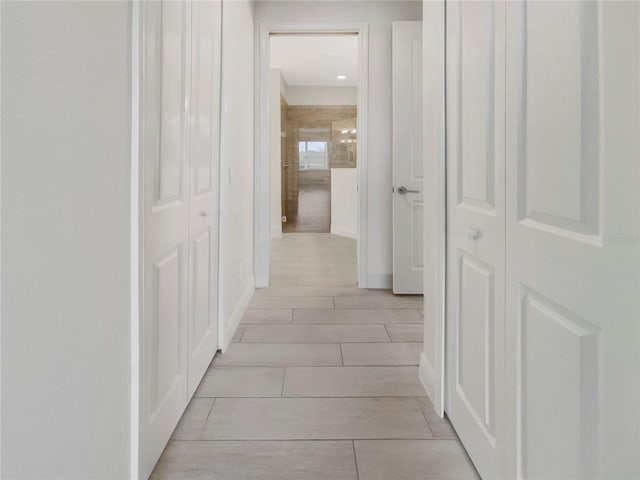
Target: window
point(313, 155)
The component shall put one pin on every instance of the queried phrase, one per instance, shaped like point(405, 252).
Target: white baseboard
point(343, 232)
point(427, 376)
point(231, 325)
point(276, 231)
point(380, 280)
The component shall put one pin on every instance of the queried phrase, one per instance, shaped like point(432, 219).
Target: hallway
point(320, 383)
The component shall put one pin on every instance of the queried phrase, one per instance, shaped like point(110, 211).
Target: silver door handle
point(404, 190)
point(204, 214)
point(474, 234)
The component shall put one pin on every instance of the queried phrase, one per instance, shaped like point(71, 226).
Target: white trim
point(262, 170)
point(343, 232)
point(136, 245)
point(435, 204)
point(276, 231)
point(238, 312)
point(426, 375)
point(379, 280)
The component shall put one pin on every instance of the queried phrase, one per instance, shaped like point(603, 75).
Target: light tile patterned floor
point(320, 382)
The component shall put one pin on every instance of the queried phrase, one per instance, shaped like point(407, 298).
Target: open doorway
point(313, 88)
point(312, 160)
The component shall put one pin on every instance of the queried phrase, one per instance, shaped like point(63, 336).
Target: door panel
point(475, 230)
point(204, 155)
point(408, 207)
point(572, 231)
point(165, 234)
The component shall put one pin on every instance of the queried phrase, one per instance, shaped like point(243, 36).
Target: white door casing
point(408, 205)
point(572, 239)
point(206, 18)
point(165, 215)
point(475, 230)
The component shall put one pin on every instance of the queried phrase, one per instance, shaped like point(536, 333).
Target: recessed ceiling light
point(353, 131)
point(342, 77)
point(344, 131)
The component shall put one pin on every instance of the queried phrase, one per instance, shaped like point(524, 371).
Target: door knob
point(204, 213)
point(474, 234)
point(404, 190)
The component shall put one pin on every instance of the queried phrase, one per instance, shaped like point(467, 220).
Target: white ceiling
point(317, 60)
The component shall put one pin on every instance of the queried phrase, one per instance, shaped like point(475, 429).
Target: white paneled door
point(573, 263)
point(179, 137)
point(165, 213)
point(408, 205)
point(475, 66)
point(543, 233)
point(203, 187)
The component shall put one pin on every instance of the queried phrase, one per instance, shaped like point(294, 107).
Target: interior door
point(203, 187)
point(572, 237)
point(165, 216)
point(408, 206)
point(475, 71)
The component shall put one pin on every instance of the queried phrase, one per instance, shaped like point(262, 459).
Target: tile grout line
point(206, 419)
point(355, 458)
point(424, 415)
point(388, 334)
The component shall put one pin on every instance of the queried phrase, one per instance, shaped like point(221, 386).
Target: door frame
point(262, 229)
point(432, 371)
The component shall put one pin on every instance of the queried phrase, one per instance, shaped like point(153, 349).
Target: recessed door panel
point(559, 117)
point(165, 351)
point(475, 342)
point(476, 108)
point(558, 390)
point(170, 53)
point(201, 278)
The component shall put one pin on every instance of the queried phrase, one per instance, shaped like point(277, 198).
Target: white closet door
point(408, 202)
point(165, 215)
point(203, 187)
point(573, 260)
point(476, 230)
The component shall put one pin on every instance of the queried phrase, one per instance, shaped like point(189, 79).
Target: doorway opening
point(311, 169)
point(313, 89)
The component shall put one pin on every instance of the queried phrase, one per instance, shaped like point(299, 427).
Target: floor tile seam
point(307, 397)
point(355, 458)
point(328, 439)
point(284, 377)
point(206, 420)
point(424, 415)
point(352, 397)
point(385, 328)
point(339, 439)
point(297, 342)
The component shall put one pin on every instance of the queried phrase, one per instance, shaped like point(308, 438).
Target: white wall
point(236, 189)
point(275, 159)
point(344, 202)
point(378, 15)
point(65, 240)
point(301, 95)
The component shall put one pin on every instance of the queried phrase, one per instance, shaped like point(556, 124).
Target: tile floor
point(319, 383)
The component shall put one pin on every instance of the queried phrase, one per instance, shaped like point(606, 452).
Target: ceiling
point(316, 60)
